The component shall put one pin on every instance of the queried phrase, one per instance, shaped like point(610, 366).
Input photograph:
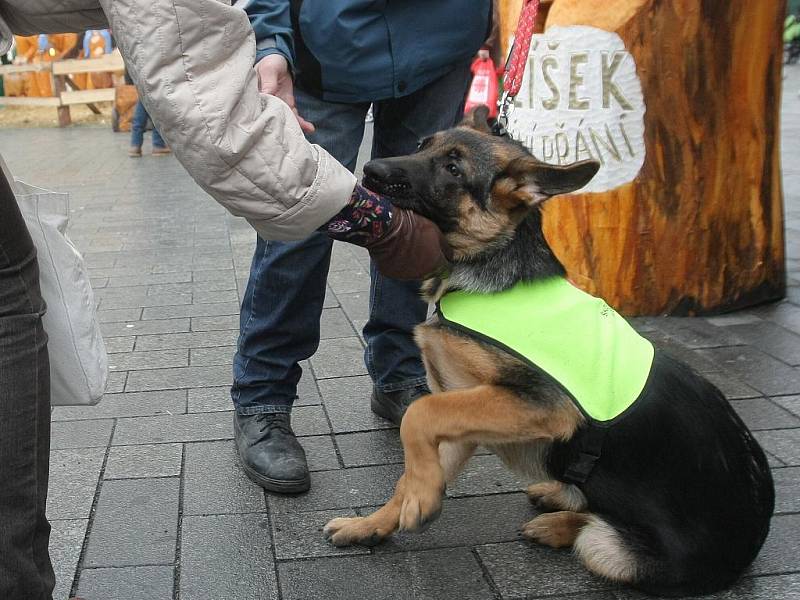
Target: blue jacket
point(365, 50)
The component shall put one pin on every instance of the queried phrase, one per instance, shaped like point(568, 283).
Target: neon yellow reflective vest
point(580, 341)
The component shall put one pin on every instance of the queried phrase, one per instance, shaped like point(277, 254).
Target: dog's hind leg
point(557, 495)
point(557, 529)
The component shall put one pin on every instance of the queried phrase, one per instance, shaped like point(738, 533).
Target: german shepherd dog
point(680, 498)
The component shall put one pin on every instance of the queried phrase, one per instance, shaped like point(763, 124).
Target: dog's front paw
point(422, 505)
point(355, 530)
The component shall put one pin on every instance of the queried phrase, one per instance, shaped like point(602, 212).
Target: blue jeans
point(282, 305)
point(139, 124)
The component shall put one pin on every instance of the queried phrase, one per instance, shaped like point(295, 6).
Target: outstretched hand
point(274, 79)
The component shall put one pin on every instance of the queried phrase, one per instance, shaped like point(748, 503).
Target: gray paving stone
point(790, 403)
point(127, 583)
point(783, 443)
point(116, 382)
point(785, 314)
point(484, 475)
point(149, 279)
point(191, 310)
point(230, 322)
point(309, 420)
point(673, 348)
point(66, 540)
point(175, 378)
point(779, 553)
point(173, 428)
point(330, 300)
point(698, 333)
point(334, 324)
point(144, 300)
point(307, 391)
point(213, 275)
point(346, 488)
point(760, 413)
point(347, 282)
point(370, 448)
point(468, 522)
point(245, 569)
point(758, 370)
point(525, 570)
point(300, 535)
point(771, 339)
point(80, 434)
point(320, 453)
point(731, 386)
point(346, 401)
point(119, 344)
point(210, 399)
point(207, 339)
point(153, 359)
point(214, 296)
point(135, 404)
point(341, 357)
point(73, 480)
point(355, 305)
point(203, 357)
point(451, 574)
point(214, 482)
point(787, 490)
point(145, 327)
point(135, 523)
point(147, 460)
point(118, 315)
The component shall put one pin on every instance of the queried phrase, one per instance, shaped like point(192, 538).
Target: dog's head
point(477, 187)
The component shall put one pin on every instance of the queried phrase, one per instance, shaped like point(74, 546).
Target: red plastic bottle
point(484, 88)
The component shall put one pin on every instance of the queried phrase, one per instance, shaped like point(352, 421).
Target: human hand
point(414, 247)
point(483, 54)
point(274, 79)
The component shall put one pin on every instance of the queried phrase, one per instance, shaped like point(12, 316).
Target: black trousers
point(25, 568)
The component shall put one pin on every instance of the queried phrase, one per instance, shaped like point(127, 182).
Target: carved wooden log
point(700, 230)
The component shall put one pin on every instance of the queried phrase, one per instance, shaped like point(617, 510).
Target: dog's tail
point(621, 555)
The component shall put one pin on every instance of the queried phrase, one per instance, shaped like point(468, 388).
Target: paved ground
point(147, 501)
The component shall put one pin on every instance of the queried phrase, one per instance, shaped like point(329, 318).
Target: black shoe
point(270, 453)
point(393, 405)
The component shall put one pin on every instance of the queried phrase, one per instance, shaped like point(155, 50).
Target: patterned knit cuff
point(366, 218)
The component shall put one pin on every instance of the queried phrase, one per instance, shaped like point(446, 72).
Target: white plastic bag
point(78, 359)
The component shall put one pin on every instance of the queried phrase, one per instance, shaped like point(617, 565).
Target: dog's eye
point(453, 170)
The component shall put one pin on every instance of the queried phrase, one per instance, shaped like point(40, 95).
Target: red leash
point(518, 57)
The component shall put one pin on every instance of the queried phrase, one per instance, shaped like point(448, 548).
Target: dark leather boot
point(270, 453)
point(393, 405)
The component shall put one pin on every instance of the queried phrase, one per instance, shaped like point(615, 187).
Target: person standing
point(244, 148)
point(138, 126)
point(329, 61)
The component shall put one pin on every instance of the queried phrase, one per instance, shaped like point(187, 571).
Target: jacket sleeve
point(192, 63)
point(272, 26)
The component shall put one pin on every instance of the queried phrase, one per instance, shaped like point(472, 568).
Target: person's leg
point(138, 124)
point(25, 569)
point(159, 145)
point(392, 357)
point(279, 322)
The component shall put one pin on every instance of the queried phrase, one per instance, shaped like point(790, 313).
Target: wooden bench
point(60, 76)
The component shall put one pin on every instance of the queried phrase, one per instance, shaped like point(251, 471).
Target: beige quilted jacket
point(192, 61)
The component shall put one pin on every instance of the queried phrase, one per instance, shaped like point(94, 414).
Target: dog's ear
point(530, 181)
point(477, 119)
